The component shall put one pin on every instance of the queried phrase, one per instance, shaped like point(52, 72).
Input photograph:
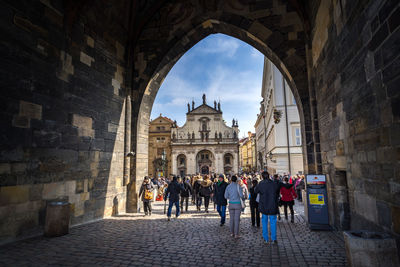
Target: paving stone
point(194, 239)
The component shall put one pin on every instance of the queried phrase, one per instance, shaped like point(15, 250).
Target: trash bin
point(367, 248)
point(57, 218)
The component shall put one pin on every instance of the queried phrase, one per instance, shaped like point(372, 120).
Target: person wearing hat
point(220, 200)
point(146, 192)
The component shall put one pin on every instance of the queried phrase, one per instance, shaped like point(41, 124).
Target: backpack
point(205, 191)
point(185, 192)
point(148, 195)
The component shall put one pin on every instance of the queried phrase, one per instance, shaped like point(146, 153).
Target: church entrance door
point(205, 170)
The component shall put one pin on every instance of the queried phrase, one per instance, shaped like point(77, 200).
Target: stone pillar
point(128, 148)
point(174, 163)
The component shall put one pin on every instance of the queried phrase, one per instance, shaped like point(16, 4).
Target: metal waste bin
point(57, 218)
point(366, 248)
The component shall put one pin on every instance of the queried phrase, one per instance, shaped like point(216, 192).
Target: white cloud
point(227, 46)
point(237, 86)
point(256, 54)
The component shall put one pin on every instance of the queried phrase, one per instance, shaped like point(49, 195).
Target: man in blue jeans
point(268, 205)
point(173, 191)
point(218, 196)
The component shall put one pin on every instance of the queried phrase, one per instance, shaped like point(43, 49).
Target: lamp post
point(163, 160)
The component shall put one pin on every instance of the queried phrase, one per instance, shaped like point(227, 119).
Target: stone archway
point(205, 162)
point(228, 163)
point(289, 59)
point(181, 165)
point(76, 121)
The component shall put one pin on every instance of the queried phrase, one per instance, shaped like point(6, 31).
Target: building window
point(297, 136)
point(181, 161)
point(204, 126)
point(227, 160)
point(162, 128)
point(158, 128)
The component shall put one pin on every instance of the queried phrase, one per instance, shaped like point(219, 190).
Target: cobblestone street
point(195, 239)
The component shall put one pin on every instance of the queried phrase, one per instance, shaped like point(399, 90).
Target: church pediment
point(204, 109)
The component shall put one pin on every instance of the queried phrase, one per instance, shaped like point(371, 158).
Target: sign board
point(317, 202)
point(316, 199)
point(316, 179)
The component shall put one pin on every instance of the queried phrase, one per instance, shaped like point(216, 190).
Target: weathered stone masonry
point(62, 115)
point(356, 76)
point(78, 80)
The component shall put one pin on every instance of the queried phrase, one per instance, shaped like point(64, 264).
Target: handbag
point(241, 200)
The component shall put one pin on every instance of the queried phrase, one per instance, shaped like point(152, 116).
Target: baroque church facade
point(205, 144)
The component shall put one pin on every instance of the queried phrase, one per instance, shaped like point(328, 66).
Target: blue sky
point(222, 67)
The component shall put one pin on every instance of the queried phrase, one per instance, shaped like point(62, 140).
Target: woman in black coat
point(220, 200)
point(255, 213)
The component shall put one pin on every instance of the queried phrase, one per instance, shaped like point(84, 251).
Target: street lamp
point(163, 160)
point(270, 156)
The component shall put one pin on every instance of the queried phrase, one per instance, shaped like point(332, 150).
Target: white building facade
point(278, 131)
point(205, 144)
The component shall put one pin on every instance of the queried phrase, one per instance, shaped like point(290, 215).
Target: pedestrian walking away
point(299, 186)
point(234, 194)
point(287, 198)
point(185, 193)
point(268, 205)
point(146, 193)
point(173, 191)
point(206, 191)
point(219, 196)
point(255, 212)
point(196, 189)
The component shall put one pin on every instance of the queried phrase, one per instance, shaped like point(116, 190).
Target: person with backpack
point(173, 191)
point(196, 191)
point(206, 191)
point(185, 193)
point(268, 205)
point(220, 200)
point(146, 192)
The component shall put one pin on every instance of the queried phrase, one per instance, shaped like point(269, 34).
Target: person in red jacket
point(287, 198)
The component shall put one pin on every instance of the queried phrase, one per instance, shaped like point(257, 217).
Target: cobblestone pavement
point(195, 239)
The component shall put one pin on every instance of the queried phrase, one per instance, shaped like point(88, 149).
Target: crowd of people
point(266, 194)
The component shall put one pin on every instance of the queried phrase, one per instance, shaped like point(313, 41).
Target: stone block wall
point(63, 112)
point(355, 70)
